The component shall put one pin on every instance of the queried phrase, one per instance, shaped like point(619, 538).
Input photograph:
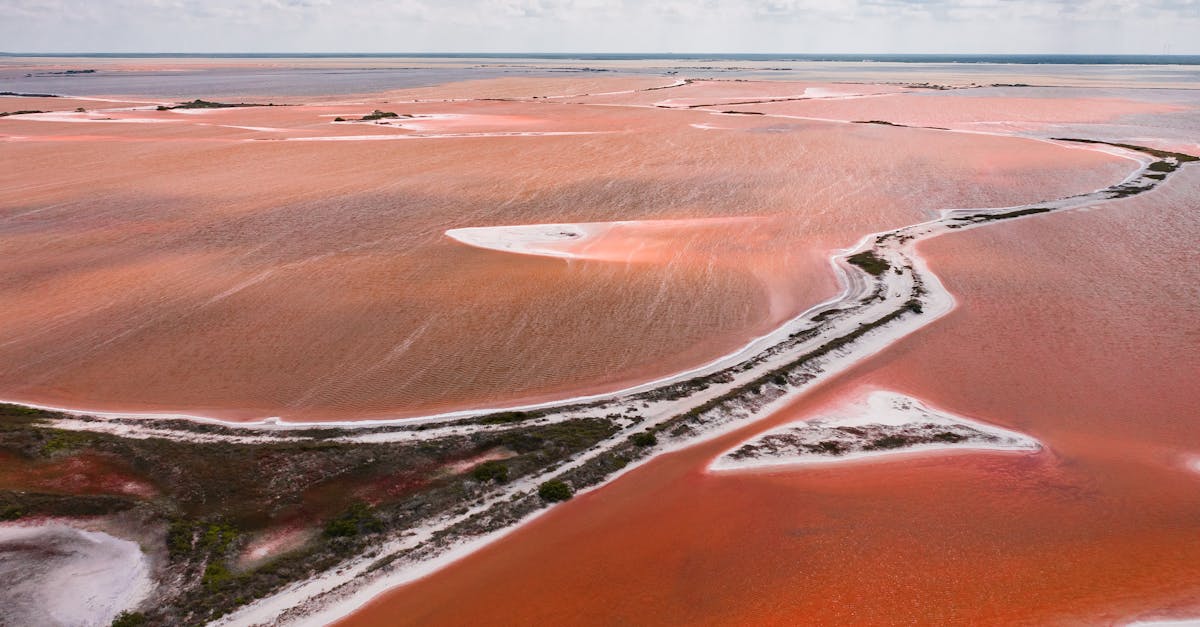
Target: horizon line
point(594, 53)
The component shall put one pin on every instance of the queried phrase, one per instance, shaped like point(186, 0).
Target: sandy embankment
point(853, 432)
point(56, 575)
point(624, 241)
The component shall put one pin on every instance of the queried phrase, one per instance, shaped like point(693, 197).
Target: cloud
point(1098, 26)
point(553, 9)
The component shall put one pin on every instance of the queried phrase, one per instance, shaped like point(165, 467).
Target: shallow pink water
point(191, 266)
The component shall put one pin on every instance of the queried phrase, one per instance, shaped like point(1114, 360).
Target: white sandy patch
point(54, 574)
point(826, 93)
point(150, 103)
point(272, 543)
point(344, 138)
point(809, 93)
point(88, 116)
point(264, 129)
point(878, 413)
point(549, 240)
point(683, 103)
point(471, 462)
point(441, 123)
point(433, 122)
point(570, 240)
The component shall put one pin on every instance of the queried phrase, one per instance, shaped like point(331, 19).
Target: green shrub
point(356, 520)
point(379, 115)
point(129, 619)
point(64, 442)
point(216, 574)
point(554, 490)
point(181, 535)
point(217, 537)
point(870, 262)
point(645, 438)
point(505, 417)
point(489, 470)
point(832, 447)
point(888, 441)
point(8, 409)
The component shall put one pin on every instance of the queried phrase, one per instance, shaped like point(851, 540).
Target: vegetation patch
point(212, 498)
point(553, 491)
point(208, 104)
point(506, 417)
point(987, 217)
point(819, 439)
point(357, 520)
point(129, 619)
point(645, 438)
point(383, 115)
point(24, 95)
point(10, 512)
point(492, 470)
point(870, 262)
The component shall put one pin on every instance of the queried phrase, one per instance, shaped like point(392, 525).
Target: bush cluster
point(554, 490)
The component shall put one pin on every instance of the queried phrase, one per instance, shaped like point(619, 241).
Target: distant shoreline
point(982, 59)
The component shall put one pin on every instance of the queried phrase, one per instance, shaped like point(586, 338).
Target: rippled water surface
point(203, 261)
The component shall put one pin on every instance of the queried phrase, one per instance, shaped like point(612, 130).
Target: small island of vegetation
point(869, 262)
point(208, 104)
point(382, 115)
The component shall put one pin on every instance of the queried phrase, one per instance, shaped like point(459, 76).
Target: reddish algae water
point(208, 262)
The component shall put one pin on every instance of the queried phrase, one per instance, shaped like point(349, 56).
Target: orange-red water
point(1076, 328)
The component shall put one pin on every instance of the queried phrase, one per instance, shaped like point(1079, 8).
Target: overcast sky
point(870, 26)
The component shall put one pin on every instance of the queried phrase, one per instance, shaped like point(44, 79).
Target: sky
point(680, 26)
